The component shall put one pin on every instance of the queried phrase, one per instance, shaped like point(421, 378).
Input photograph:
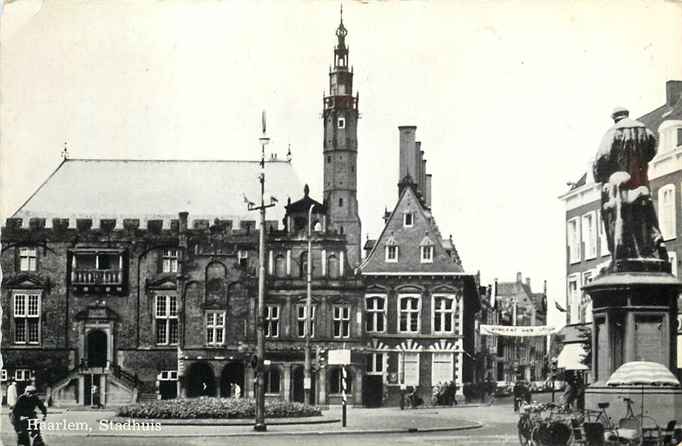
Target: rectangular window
point(168, 375)
point(22, 375)
point(28, 259)
point(427, 254)
point(603, 242)
point(341, 123)
point(301, 317)
point(408, 367)
point(442, 367)
point(271, 321)
point(243, 258)
point(341, 321)
point(27, 318)
point(166, 319)
point(408, 219)
point(573, 299)
point(408, 312)
point(375, 363)
point(589, 234)
point(573, 234)
point(666, 211)
point(443, 314)
point(170, 261)
point(376, 314)
point(3, 375)
point(215, 327)
point(392, 253)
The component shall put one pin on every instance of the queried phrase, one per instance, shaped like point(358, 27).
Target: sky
point(510, 99)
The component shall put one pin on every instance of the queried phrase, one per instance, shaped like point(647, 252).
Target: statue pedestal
point(634, 319)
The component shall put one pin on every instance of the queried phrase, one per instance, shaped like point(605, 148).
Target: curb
point(224, 422)
point(469, 426)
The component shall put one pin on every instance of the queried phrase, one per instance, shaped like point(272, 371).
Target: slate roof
point(408, 240)
point(91, 188)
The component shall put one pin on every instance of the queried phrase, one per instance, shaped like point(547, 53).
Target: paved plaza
point(464, 424)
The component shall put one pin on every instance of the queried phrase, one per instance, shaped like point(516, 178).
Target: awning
point(571, 356)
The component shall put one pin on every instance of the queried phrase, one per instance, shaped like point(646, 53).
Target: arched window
point(280, 266)
point(317, 226)
point(272, 379)
point(336, 379)
point(666, 211)
point(333, 266)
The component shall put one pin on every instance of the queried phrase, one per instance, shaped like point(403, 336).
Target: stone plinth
point(634, 319)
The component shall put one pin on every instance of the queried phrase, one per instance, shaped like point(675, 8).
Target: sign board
point(338, 357)
point(517, 330)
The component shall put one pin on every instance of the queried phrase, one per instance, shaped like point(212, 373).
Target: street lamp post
point(260, 335)
point(307, 397)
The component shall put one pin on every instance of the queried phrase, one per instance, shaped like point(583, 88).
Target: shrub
point(206, 407)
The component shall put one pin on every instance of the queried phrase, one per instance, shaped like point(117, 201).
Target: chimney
point(422, 178)
point(528, 283)
point(519, 278)
point(673, 89)
point(418, 168)
point(427, 194)
point(407, 149)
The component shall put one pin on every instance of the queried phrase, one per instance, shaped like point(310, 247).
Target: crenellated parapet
point(120, 229)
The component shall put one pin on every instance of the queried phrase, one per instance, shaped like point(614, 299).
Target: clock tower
point(340, 152)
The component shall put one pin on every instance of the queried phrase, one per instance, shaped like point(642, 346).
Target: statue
point(627, 210)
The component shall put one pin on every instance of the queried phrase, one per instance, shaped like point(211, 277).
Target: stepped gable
point(159, 189)
point(409, 239)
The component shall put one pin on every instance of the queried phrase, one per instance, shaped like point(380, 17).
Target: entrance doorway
point(233, 373)
point(89, 381)
point(297, 383)
point(97, 348)
point(200, 380)
point(372, 390)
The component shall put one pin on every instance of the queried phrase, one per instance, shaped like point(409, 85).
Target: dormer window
point(169, 262)
point(426, 249)
point(408, 219)
point(427, 254)
point(28, 259)
point(391, 251)
point(341, 123)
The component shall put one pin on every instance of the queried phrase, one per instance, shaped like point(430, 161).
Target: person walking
point(492, 388)
point(25, 418)
point(12, 394)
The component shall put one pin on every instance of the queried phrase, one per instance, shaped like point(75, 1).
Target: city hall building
point(139, 277)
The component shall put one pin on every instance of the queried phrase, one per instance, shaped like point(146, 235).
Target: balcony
point(97, 277)
point(98, 270)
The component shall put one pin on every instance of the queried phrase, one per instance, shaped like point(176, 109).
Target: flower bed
point(203, 407)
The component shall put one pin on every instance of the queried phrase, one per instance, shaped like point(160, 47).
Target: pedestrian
point(25, 418)
point(454, 393)
point(492, 388)
point(435, 394)
point(11, 394)
point(237, 391)
point(231, 390)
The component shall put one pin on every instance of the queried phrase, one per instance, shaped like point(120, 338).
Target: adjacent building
point(420, 303)
point(518, 305)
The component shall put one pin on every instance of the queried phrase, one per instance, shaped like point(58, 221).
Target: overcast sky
point(510, 98)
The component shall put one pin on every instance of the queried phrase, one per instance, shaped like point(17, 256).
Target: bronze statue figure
point(628, 213)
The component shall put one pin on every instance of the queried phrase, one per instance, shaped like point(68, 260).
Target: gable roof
point(408, 240)
point(91, 188)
